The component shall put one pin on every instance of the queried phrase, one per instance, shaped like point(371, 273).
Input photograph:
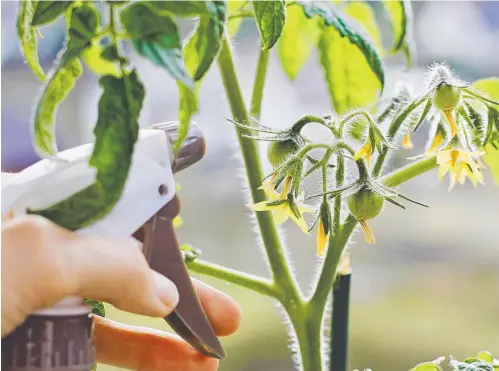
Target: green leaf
point(27, 37)
point(199, 53)
point(156, 37)
point(48, 11)
point(188, 107)
point(270, 17)
point(234, 23)
point(110, 53)
point(59, 84)
point(299, 36)
point(180, 8)
point(204, 45)
point(350, 80)
point(489, 86)
point(93, 59)
point(83, 27)
point(140, 22)
point(491, 156)
point(97, 307)
point(363, 13)
point(116, 132)
point(401, 18)
point(165, 52)
point(342, 34)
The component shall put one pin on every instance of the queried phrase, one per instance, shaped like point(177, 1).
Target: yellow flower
point(324, 227)
point(460, 164)
point(368, 233)
point(448, 114)
point(280, 205)
point(407, 142)
point(321, 239)
point(437, 141)
point(365, 151)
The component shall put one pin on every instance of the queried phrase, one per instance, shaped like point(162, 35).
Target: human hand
point(43, 263)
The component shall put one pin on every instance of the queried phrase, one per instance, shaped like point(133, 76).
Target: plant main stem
point(305, 316)
point(279, 266)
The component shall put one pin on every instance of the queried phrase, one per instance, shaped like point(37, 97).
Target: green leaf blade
point(349, 79)
point(401, 19)
point(199, 54)
point(299, 36)
point(156, 37)
point(188, 107)
point(116, 132)
point(204, 45)
point(27, 37)
point(270, 18)
point(347, 28)
point(234, 23)
point(59, 84)
point(489, 86)
point(491, 156)
point(164, 54)
point(48, 11)
point(187, 8)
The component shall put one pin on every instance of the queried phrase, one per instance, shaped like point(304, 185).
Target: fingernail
point(166, 290)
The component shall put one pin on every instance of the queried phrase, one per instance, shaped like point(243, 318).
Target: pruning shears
point(145, 211)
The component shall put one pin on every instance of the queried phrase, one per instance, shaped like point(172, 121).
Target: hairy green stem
point(410, 171)
point(255, 283)
point(259, 84)
point(309, 333)
point(279, 266)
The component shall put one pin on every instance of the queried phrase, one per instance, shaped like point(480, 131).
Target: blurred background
point(427, 288)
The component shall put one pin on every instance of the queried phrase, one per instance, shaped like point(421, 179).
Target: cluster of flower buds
point(463, 122)
point(460, 133)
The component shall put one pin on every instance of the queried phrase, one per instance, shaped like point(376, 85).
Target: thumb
point(43, 263)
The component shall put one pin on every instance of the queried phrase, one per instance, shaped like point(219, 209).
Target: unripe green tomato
point(446, 97)
point(279, 151)
point(365, 204)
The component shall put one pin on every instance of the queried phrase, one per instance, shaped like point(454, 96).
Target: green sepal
point(421, 119)
point(292, 205)
point(492, 123)
point(276, 202)
point(479, 96)
point(404, 113)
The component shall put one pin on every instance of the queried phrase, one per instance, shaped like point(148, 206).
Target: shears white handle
point(149, 186)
